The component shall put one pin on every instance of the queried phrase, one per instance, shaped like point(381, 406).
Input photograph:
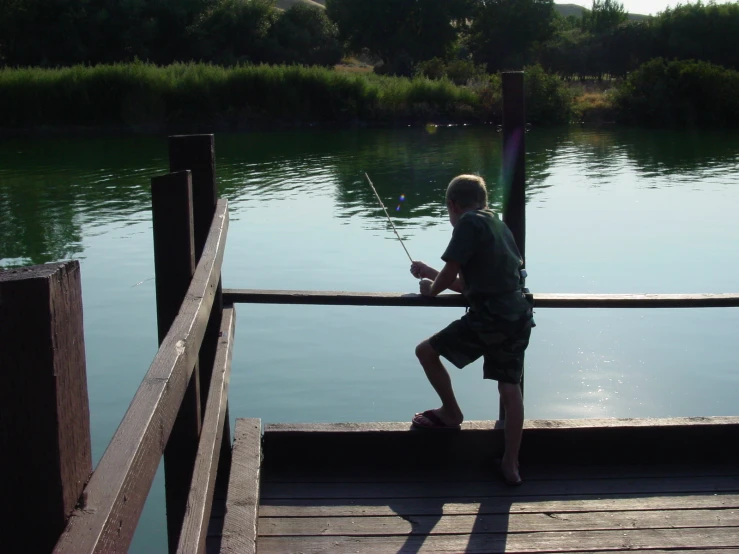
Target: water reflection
point(688, 155)
point(51, 189)
point(53, 192)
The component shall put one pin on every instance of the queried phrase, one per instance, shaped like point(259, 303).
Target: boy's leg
point(512, 399)
point(438, 376)
point(504, 363)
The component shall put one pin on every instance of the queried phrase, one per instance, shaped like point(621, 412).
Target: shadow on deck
point(590, 485)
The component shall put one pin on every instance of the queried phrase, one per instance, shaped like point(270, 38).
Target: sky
point(645, 7)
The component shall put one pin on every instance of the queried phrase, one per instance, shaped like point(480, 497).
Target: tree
point(64, 32)
point(627, 47)
point(304, 34)
point(167, 22)
point(567, 53)
point(604, 16)
point(234, 31)
point(42, 32)
point(504, 33)
point(399, 32)
point(701, 32)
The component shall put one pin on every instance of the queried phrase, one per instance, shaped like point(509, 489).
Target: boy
point(484, 263)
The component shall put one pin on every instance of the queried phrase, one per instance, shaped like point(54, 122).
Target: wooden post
point(174, 264)
point(44, 409)
point(514, 163)
point(197, 154)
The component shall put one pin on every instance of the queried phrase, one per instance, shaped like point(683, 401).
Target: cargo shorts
point(500, 342)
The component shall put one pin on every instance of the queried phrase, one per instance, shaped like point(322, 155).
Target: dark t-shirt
point(490, 265)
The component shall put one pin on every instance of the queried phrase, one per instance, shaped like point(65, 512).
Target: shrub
point(203, 94)
point(458, 71)
point(548, 99)
point(680, 93)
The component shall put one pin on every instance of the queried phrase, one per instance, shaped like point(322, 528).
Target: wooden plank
point(200, 498)
point(557, 541)
point(118, 488)
point(499, 523)
point(341, 298)
point(595, 423)
point(174, 244)
point(692, 551)
point(479, 443)
point(441, 490)
point(533, 472)
point(197, 154)
point(242, 501)
point(335, 298)
point(514, 158)
point(174, 266)
point(44, 409)
point(514, 169)
point(496, 505)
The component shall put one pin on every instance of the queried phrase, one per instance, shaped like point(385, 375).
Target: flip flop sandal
point(436, 422)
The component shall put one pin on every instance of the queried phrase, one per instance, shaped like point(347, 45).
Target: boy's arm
point(447, 279)
point(458, 285)
point(422, 271)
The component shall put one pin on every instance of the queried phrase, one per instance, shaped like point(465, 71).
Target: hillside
point(285, 4)
point(565, 10)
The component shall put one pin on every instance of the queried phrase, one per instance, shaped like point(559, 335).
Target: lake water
point(609, 211)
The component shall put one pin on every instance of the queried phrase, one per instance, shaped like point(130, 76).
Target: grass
point(593, 100)
point(594, 107)
point(139, 94)
point(353, 65)
point(196, 97)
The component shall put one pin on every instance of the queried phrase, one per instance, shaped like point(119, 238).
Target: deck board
point(499, 523)
point(613, 508)
point(531, 472)
point(442, 490)
point(627, 539)
point(487, 506)
point(663, 506)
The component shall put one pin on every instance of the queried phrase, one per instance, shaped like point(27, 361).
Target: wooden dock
point(589, 485)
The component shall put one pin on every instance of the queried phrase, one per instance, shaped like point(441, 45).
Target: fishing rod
point(388, 217)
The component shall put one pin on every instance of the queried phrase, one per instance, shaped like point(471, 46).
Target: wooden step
point(242, 500)
point(478, 443)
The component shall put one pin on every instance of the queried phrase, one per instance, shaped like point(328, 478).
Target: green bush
point(548, 100)
point(234, 31)
point(304, 34)
point(460, 72)
point(197, 95)
point(141, 94)
point(680, 93)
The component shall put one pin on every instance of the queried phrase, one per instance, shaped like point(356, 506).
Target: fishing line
point(388, 217)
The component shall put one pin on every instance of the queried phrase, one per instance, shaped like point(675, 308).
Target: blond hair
point(468, 191)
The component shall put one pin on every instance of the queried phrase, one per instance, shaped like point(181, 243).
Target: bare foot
point(440, 417)
point(509, 469)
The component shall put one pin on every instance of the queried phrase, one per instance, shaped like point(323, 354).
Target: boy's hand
point(425, 287)
point(422, 271)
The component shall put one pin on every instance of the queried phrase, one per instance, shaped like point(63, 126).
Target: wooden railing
point(115, 494)
point(330, 298)
point(180, 410)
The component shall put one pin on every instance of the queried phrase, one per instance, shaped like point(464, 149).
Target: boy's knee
point(424, 351)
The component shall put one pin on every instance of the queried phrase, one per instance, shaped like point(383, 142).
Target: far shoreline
point(91, 131)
